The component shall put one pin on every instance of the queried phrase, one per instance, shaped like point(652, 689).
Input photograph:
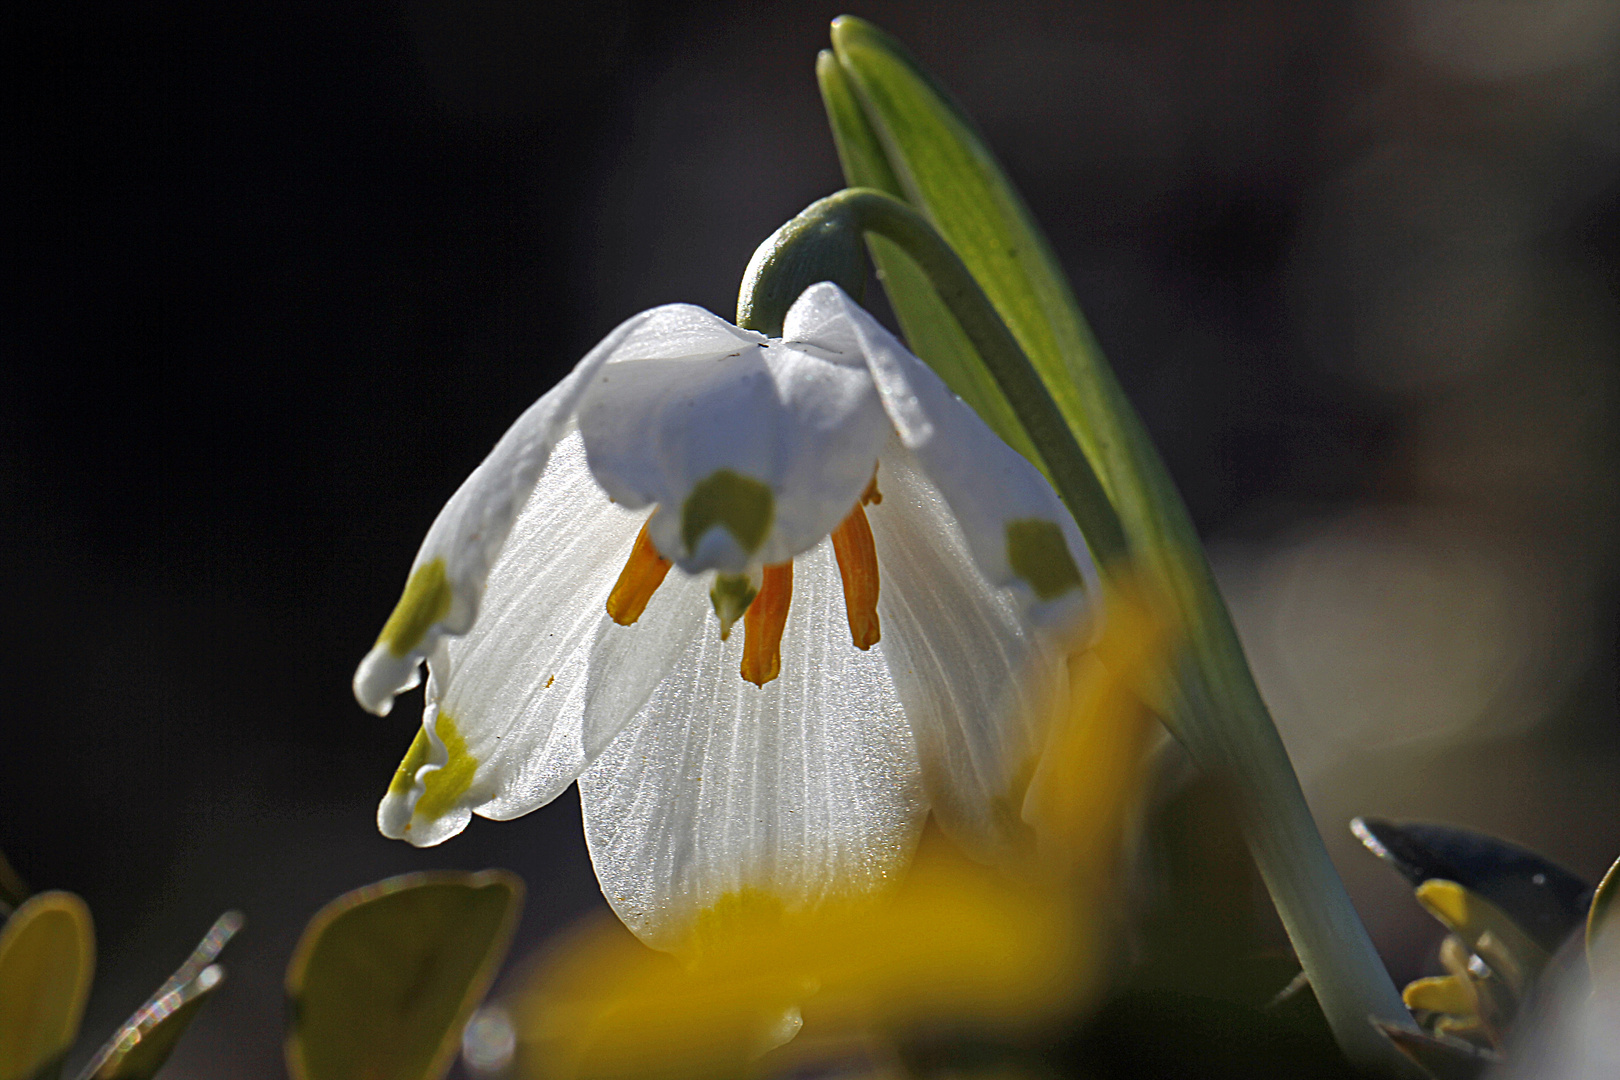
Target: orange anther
point(857, 565)
point(763, 624)
point(642, 574)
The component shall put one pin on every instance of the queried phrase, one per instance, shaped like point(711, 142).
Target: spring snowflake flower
point(891, 561)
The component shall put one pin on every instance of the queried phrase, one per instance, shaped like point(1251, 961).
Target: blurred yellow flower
point(958, 944)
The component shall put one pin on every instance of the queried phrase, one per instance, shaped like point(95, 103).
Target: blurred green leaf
point(385, 977)
point(1543, 898)
point(138, 1049)
point(12, 890)
point(1441, 1057)
point(47, 960)
point(1603, 935)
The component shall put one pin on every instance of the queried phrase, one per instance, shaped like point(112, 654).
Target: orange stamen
point(763, 624)
point(642, 574)
point(857, 565)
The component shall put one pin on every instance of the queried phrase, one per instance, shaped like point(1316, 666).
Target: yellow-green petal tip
point(425, 601)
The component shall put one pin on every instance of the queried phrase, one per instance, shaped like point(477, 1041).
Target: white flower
point(889, 663)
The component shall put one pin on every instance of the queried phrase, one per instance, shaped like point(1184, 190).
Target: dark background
point(279, 275)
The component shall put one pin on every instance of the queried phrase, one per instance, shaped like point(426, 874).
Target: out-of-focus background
point(279, 275)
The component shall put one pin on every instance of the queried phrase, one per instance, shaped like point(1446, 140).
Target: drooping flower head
point(891, 562)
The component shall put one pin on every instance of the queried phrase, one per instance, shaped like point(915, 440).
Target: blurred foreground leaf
point(139, 1048)
point(1442, 1058)
point(47, 959)
point(1603, 935)
point(1541, 897)
point(385, 977)
point(12, 890)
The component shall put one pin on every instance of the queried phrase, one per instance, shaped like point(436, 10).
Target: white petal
point(993, 491)
point(805, 425)
point(543, 664)
point(801, 789)
point(447, 577)
point(820, 318)
point(973, 676)
point(683, 330)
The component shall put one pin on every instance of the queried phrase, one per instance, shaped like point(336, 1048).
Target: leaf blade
point(385, 976)
point(1214, 706)
point(140, 1046)
point(930, 329)
point(47, 961)
point(1603, 934)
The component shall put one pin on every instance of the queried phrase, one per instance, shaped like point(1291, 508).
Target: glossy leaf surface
point(930, 329)
point(385, 977)
point(943, 168)
point(1442, 1058)
point(138, 1049)
point(1545, 900)
point(1603, 935)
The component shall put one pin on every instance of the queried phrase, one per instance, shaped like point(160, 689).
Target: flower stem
point(1215, 709)
point(821, 240)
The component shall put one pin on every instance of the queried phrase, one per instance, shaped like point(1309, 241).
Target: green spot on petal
point(1036, 552)
point(425, 601)
point(442, 788)
point(415, 758)
point(741, 504)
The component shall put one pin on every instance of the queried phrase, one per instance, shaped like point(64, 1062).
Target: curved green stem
point(825, 243)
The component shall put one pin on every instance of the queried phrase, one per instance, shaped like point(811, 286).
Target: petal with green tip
point(758, 452)
point(990, 487)
point(471, 531)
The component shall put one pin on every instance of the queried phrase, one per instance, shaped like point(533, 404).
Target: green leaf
point(138, 1049)
point(47, 960)
point(1543, 898)
point(1440, 1057)
point(12, 890)
point(1603, 935)
point(931, 330)
point(385, 977)
point(944, 169)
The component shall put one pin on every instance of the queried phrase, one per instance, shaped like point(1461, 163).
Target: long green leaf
point(930, 328)
point(385, 977)
point(944, 168)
